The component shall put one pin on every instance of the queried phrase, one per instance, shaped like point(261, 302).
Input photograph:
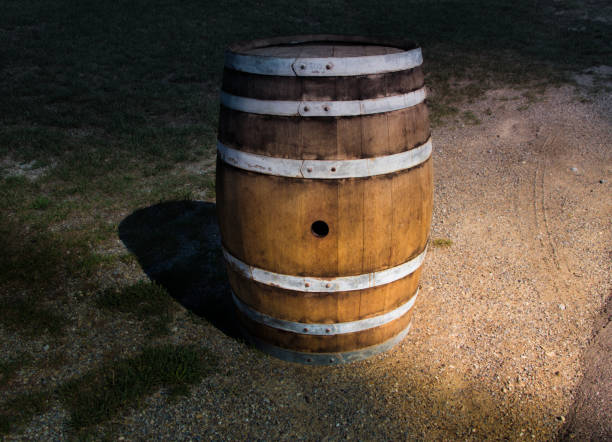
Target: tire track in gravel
point(533, 226)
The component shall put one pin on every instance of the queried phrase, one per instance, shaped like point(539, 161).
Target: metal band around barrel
point(324, 329)
point(323, 108)
point(325, 66)
point(325, 358)
point(325, 169)
point(328, 285)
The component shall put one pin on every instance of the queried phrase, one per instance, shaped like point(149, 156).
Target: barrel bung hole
point(319, 229)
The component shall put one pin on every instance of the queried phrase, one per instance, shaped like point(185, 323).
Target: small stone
point(46, 347)
point(561, 418)
point(561, 306)
point(574, 169)
point(602, 181)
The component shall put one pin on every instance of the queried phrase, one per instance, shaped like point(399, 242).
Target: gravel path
point(504, 317)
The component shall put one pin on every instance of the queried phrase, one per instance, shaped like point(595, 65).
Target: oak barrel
point(324, 192)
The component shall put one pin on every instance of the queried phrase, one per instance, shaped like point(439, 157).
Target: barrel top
point(317, 50)
point(322, 56)
point(317, 46)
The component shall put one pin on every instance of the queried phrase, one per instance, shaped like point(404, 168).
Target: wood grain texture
point(326, 344)
point(325, 138)
point(324, 308)
point(374, 223)
point(359, 87)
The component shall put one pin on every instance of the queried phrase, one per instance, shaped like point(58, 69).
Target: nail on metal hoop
point(323, 108)
point(325, 358)
point(324, 66)
point(327, 285)
point(325, 169)
point(337, 328)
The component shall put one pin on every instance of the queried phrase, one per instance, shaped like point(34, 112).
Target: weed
point(41, 203)
point(470, 118)
point(102, 393)
point(531, 96)
point(442, 242)
point(128, 258)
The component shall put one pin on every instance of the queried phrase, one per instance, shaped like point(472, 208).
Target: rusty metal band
point(324, 66)
point(337, 328)
point(325, 358)
point(325, 169)
point(323, 108)
point(328, 285)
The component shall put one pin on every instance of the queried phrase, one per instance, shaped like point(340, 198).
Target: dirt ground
point(505, 342)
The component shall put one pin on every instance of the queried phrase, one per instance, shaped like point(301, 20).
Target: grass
point(441, 242)
point(146, 301)
point(102, 393)
point(99, 395)
point(470, 118)
point(27, 316)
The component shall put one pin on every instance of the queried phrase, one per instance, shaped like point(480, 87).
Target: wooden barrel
point(324, 192)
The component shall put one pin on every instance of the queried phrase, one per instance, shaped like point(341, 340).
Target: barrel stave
point(326, 138)
point(374, 223)
point(359, 87)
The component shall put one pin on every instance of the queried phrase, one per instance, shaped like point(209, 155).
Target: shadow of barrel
point(178, 245)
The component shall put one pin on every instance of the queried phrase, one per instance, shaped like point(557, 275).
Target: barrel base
point(325, 358)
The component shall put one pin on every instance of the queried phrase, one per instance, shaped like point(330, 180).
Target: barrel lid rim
point(243, 46)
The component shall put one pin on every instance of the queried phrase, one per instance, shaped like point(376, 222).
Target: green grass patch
point(99, 395)
point(41, 203)
point(441, 242)
point(27, 315)
point(145, 301)
point(470, 118)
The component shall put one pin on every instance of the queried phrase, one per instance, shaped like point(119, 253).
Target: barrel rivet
point(328, 66)
point(331, 359)
point(305, 329)
point(306, 108)
point(328, 285)
point(302, 67)
point(327, 330)
point(307, 284)
point(333, 169)
point(326, 108)
point(309, 360)
point(309, 169)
